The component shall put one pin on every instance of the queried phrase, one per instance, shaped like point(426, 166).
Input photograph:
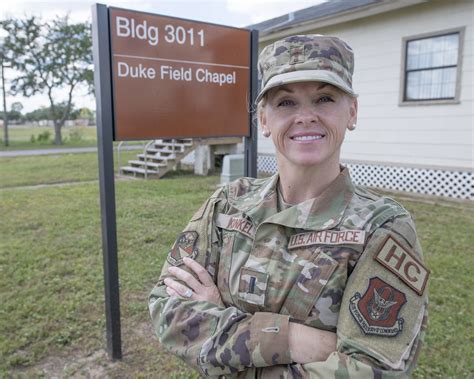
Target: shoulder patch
point(404, 264)
point(376, 311)
point(184, 246)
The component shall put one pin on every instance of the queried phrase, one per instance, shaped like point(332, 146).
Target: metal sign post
point(103, 88)
point(250, 142)
point(164, 77)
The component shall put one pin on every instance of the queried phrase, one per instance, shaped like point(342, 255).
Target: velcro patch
point(327, 237)
point(296, 54)
point(239, 224)
point(404, 264)
point(376, 311)
point(184, 246)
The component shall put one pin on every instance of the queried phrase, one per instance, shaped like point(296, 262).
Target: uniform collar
point(319, 213)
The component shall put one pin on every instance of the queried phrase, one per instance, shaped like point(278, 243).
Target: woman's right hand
point(200, 288)
point(309, 344)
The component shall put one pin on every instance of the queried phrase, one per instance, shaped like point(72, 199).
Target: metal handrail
point(146, 157)
point(118, 157)
point(119, 150)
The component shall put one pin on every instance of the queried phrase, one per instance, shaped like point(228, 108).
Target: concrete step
point(172, 146)
point(163, 152)
point(151, 157)
point(171, 149)
point(148, 163)
point(161, 157)
point(184, 141)
point(166, 151)
point(138, 170)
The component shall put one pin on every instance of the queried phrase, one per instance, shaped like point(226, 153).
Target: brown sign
point(178, 78)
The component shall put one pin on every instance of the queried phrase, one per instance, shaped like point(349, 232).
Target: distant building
point(414, 75)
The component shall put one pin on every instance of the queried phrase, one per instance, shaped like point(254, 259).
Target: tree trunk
point(5, 113)
point(57, 134)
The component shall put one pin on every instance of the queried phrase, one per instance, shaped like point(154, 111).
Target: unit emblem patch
point(376, 311)
point(184, 246)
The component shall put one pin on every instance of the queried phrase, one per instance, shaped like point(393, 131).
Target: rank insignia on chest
point(376, 311)
point(184, 246)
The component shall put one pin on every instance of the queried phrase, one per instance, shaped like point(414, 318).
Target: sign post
point(165, 77)
point(250, 141)
point(104, 116)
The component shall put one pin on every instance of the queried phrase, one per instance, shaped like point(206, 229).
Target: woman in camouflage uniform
point(303, 274)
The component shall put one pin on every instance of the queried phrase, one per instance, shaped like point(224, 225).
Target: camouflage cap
point(302, 58)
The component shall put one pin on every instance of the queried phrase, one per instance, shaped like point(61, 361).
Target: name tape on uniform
point(238, 224)
point(403, 264)
point(327, 237)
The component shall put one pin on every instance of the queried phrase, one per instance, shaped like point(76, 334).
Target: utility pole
point(5, 115)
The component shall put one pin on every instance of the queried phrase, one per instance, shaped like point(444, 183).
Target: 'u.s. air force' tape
point(327, 237)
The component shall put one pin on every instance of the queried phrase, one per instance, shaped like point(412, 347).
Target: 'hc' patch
point(376, 311)
point(403, 264)
point(184, 246)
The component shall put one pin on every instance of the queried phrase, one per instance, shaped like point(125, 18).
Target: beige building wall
point(425, 136)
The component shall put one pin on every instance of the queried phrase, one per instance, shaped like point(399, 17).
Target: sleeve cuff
point(269, 339)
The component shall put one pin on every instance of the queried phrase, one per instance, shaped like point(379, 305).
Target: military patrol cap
point(302, 58)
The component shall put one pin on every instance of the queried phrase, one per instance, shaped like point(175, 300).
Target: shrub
point(76, 135)
point(44, 136)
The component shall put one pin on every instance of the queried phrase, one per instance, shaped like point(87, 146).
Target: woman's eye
point(325, 99)
point(286, 103)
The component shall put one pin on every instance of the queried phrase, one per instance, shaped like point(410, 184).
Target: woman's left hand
point(202, 288)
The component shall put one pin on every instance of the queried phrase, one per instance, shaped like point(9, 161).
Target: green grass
point(51, 269)
point(51, 279)
point(27, 137)
point(50, 169)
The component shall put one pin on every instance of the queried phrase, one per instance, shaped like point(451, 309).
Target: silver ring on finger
point(188, 293)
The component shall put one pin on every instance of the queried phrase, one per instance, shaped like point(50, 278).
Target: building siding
point(425, 136)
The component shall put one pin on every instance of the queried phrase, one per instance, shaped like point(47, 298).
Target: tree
point(15, 112)
point(17, 106)
point(50, 57)
point(3, 65)
point(38, 114)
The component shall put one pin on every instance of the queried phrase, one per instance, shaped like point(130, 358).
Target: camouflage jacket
point(347, 261)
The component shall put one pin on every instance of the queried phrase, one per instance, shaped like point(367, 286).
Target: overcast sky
point(226, 12)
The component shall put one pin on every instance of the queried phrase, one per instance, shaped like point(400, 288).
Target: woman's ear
point(262, 122)
point(353, 111)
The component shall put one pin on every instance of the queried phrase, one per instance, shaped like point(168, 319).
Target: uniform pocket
point(309, 285)
point(252, 289)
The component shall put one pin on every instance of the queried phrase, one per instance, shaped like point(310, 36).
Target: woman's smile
point(307, 137)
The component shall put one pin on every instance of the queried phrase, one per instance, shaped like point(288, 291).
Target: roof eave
point(349, 15)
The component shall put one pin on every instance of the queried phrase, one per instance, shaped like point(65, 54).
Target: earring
point(266, 133)
point(352, 127)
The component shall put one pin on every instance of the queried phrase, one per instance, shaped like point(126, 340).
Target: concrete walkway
point(24, 153)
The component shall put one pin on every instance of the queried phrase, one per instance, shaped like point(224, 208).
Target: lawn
point(51, 282)
point(51, 169)
point(25, 137)
point(28, 137)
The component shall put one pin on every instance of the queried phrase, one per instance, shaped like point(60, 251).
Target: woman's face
point(307, 122)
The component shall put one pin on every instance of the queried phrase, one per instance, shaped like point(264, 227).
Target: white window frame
point(403, 75)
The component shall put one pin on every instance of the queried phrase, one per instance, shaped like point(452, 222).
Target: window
point(431, 67)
